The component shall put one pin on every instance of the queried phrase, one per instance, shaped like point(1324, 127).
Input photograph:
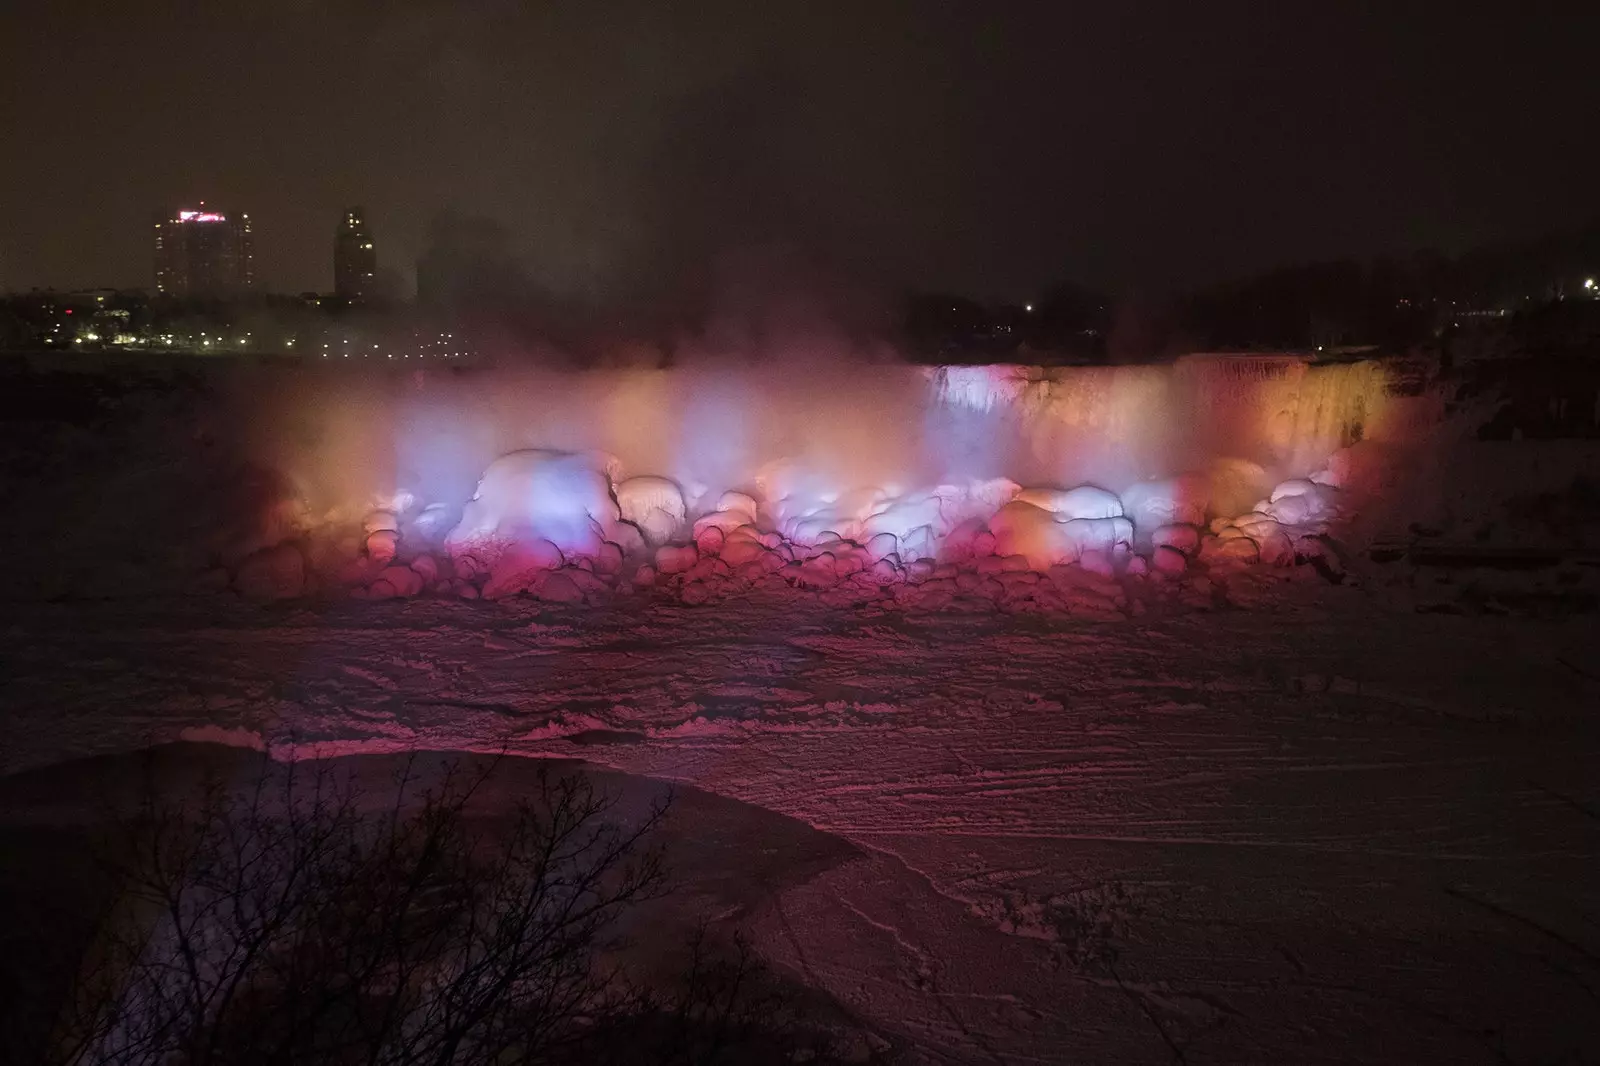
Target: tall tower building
point(355, 262)
point(203, 253)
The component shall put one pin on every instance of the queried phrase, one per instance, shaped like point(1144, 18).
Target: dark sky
point(989, 146)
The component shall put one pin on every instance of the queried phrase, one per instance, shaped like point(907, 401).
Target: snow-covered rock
point(733, 502)
point(901, 515)
point(1219, 551)
point(539, 495)
point(1274, 548)
point(1300, 500)
point(519, 565)
point(608, 560)
point(710, 540)
point(1098, 534)
point(961, 541)
point(1097, 560)
point(676, 558)
point(382, 545)
point(884, 572)
point(1167, 501)
point(1085, 501)
point(1234, 483)
point(654, 505)
point(1330, 557)
point(396, 581)
point(881, 545)
point(726, 521)
point(432, 524)
point(559, 587)
point(818, 572)
point(627, 538)
point(1166, 559)
point(1185, 538)
point(1040, 536)
point(1293, 487)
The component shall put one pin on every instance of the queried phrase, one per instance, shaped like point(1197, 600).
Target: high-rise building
point(355, 262)
point(203, 253)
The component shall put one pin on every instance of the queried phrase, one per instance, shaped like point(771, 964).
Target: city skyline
point(1153, 148)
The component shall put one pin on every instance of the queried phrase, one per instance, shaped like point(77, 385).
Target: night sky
point(989, 147)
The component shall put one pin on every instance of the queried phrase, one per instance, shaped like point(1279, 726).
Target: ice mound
point(559, 527)
point(1085, 501)
point(654, 504)
point(1167, 501)
point(538, 495)
point(1046, 538)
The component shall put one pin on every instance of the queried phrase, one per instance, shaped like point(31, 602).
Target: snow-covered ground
point(1319, 830)
point(1217, 786)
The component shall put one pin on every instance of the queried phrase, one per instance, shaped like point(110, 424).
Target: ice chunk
point(1097, 561)
point(1234, 483)
point(738, 550)
point(382, 545)
point(426, 567)
point(519, 565)
point(727, 521)
point(1300, 500)
point(397, 581)
point(653, 504)
point(1181, 499)
point(1085, 501)
point(738, 503)
point(1293, 487)
point(819, 572)
point(884, 572)
point(1168, 560)
point(431, 525)
point(1184, 538)
point(560, 587)
point(901, 515)
point(1099, 534)
point(609, 559)
point(676, 558)
point(1022, 528)
point(709, 540)
point(1275, 548)
point(1232, 551)
point(539, 495)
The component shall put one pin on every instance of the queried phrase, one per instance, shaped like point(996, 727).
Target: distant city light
point(1028, 308)
point(1588, 283)
point(202, 216)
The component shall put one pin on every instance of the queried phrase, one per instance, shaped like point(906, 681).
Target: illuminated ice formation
point(539, 495)
point(654, 504)
point(561, 527)
point(593, 485)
